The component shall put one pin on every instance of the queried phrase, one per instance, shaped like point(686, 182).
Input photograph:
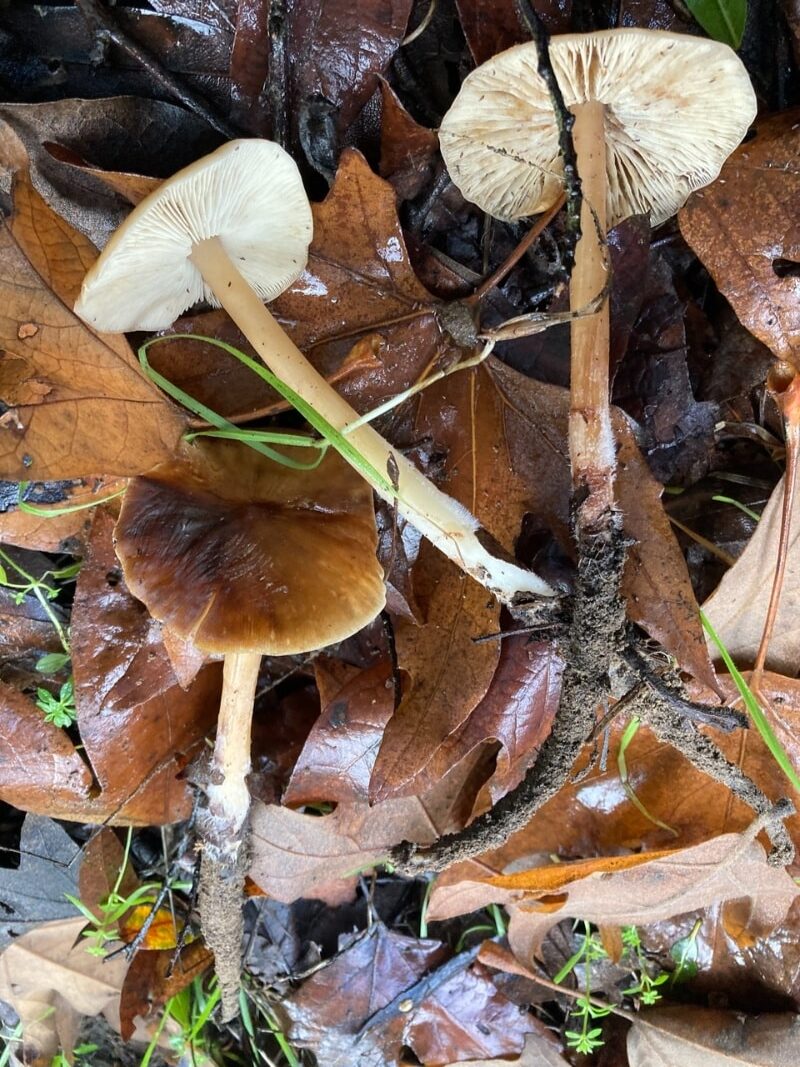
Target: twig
point(564, 121)
point(100, 21)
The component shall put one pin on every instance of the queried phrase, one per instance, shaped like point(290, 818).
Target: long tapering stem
point(448, 525)
point(591, 439)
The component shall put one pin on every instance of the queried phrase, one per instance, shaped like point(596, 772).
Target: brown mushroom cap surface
point(249, 194)
point(240, 554)
point(677, 106)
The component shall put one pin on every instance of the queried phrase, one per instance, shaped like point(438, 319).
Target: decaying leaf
point(465, 1015)
point(56, 533)
point(711, 1037)
point(623, 890)
point(77, 401)
point(753, 255)
point(738, 606)
point(36, 891)
point(50, 980)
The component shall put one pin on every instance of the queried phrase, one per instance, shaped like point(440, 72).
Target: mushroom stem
point(445, 522)
point(591, 439)
point(224, 826)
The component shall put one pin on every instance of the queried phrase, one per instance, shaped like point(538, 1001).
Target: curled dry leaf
point(738, 606)
point(711, 1037)
point(753, 255)
point(77, 401)
point(624, 890)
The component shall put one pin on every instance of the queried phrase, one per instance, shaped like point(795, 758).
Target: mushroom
point(656, 115)
point(245, 557)
point(234, 229)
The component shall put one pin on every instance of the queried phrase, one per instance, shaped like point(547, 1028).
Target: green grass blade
point(753, 707)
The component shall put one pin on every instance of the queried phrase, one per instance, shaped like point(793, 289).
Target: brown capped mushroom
point(656, 115)
point(245, 557)
point(207, 232)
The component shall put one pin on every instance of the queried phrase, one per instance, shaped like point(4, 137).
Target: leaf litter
point(429, 718)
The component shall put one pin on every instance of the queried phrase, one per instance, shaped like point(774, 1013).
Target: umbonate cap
point(249, 194)
point(677, 106)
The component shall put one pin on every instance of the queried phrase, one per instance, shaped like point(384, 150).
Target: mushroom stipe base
point(597, 645)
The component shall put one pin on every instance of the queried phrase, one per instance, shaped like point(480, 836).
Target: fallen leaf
point(625, 890)
point(737, 609)
point(297, 855)
point(538, 1052)
point(50, 980)
point(339, 754)
point(79, 401)
point(464, 1016)
point(491, 26)
point(103, 856)
point(408, 151)
point(154, 977)
point(753, 255)
point(35, 892)
point(56, 533)
point(135, 721)
point(711, 1037)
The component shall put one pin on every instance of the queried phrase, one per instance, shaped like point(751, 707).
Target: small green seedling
point(60, 710)
point(646, 986)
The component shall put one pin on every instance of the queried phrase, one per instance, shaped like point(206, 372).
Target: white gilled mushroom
point(656, 115)
point(234, 228)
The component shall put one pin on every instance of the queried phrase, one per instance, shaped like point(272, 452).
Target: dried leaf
point(56, 533)
point(77, 401)
point(738, 607)
point(35, 892)
point(752, 256)
point(711, 1037)
point(538, 1052)
point(630, 890)
point(50, 981)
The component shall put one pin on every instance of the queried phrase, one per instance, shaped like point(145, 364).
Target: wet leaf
point(408, 150)
point(491, 26)
point(626, 890)
point(35, 892)
point(102, 859)
point(738, 606)
point(56, 533)
point(538, 1052)
point(137, 725)
point(464, 1016)
point(753, 256)
point(297, 855)
point(77, 403)
point(154, 977)
point(337, 759)
point(711, 1037)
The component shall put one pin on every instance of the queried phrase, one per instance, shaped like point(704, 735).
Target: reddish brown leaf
point(102, 859)
point(297, 855)
point(338, 757)
point(752, 255)
point(134, 719)
point(408, 150)
point(154, 977)
point(78, 403)
point(56, 533)
point(463, 1017)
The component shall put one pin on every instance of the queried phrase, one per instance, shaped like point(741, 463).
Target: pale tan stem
point(591, 439)
point(228, 795)
point(437, 516)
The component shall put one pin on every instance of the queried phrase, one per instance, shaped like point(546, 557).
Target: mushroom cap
point(677, 106)
point(240, 554)
point(249, 194)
